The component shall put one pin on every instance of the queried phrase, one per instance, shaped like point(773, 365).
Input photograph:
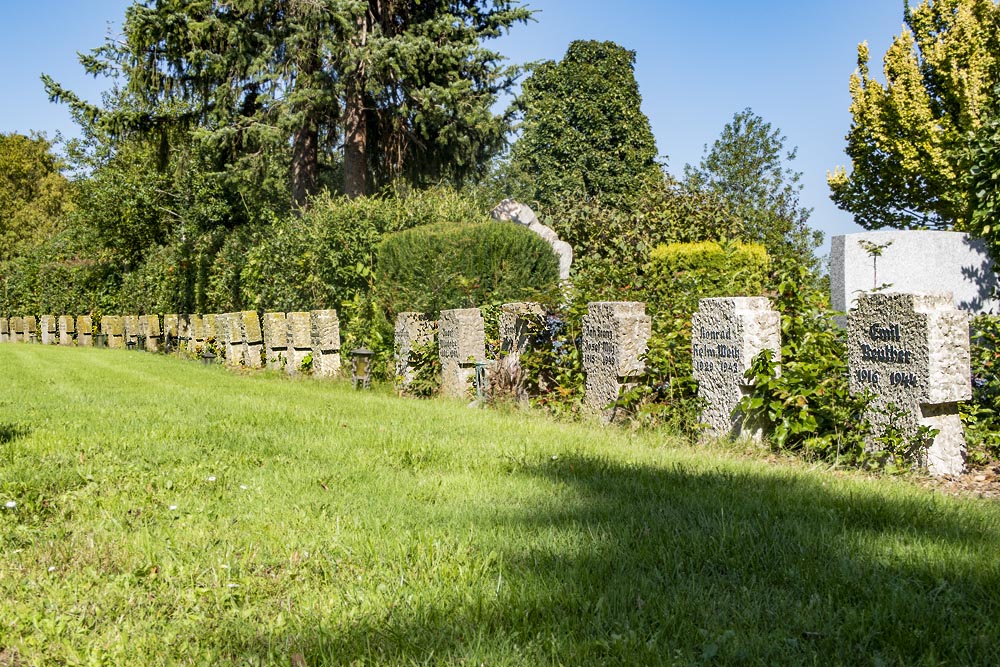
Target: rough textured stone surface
point(276, 339)
point(253, 339)
point(84, 331)
point(299, 340)
point(916, 261)
point(513, 323)
point(16, 324)
point(152, 332)
point(67, 327)
point(47, 329)
point(412, 330)
point(197, 333)
point(4, 330)
point(233, 338)
point(30, 329)
point(726, 334)
point(114, 327)
point(514, 211)
point(461, 344)
point(131, 324)
point(325, 343)
point(912, 352)
point(615, 335)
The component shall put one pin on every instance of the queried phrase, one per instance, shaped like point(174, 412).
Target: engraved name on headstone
point(513, 322)
point(461, 345)
point(615, 336)
point(726, 334)
point(911, 351)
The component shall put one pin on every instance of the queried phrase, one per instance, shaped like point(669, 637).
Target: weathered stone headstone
point(114, 327)
point(131, 325)
point(171, 332)
point(276, 340)
point(915, 261)
point(461, 345)
point(47, 329)
point(213, 341)
point(615, 336)
point(911, 351)
point(412, 330)
point(325, 343)
point(253, 339)
point(196, 344)
point(726, 334)
point(299, 341)
point(67, 327)
point(153, 333)
point(514, 318)
point(84, 331)
point(16, 329)
point(4, 330)
point(30, 329)
point(233, 334)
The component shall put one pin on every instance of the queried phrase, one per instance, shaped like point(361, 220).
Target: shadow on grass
point(637, 565)
point(9, 432)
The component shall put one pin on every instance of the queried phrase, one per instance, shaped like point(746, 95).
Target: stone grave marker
point(84, 331)
point(726, 334)
point(615, 335)
point(154, 334)
point(4, 330)
point(233, 336)
point(461, 345)
point(325, 343)
point(47, 329)
point(29, 329)
point(16, 325)
point(131, 324)
point(911, 351)
point(171, 332)
point(67, 327)
point(114, 327)
point(196, 344)
point(276, 340)
point(299, 340)
point(412, 330)
point(253, 339)
point(513, 323)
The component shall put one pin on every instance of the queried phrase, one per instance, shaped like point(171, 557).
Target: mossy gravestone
point(29, 329)
point(253, 338)
point(67, 328)
point(275, 340)
point(84, 331)
point(47, 324)
point(4, 330)
point(300, 341)
point(726, 334)
point(615, 335)
point(911, 352)
point(413, 330)
point(325, 343)
point(16, 330)
point(113, 327)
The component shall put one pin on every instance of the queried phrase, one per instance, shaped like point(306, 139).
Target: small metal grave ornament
point(361, 367)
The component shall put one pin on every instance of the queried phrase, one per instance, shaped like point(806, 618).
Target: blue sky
point(697, 64)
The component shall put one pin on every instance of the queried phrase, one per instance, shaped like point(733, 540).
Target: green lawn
point(172, 513)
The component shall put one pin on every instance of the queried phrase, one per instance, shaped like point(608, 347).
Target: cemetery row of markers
point(909, 351)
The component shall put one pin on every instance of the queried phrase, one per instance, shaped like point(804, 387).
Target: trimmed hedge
point(681, 273)
point(448, 265)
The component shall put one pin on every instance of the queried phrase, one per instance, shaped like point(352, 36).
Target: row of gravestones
point(909, 351)
point(289, 341)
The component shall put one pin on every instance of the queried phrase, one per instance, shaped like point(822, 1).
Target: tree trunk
point(305, 162)
point(355, 142)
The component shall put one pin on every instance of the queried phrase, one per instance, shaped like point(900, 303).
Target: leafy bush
point(981, 415)
point(450, 265)
point(808, 407)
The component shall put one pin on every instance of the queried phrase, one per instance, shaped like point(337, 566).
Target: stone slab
point(84, 331)
point(299, 340)
point(275, 330)
point(325, 343)
point(615, 336)
point(461, 345)
point(67, 328)
point(911, 352)
point(114, 327)
point(48, 330)
point(4, 330)
point(726, 334)
point(412, 330)
point(918, 261)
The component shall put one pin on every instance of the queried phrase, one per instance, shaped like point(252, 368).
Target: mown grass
point(171, 513)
